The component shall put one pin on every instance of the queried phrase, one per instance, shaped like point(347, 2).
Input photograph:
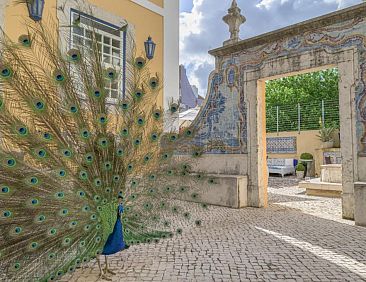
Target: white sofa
point(281, 166)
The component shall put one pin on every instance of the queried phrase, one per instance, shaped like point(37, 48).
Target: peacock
point(80, 176)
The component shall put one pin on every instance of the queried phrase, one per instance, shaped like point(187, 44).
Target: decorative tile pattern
point(334, 157)
point(281, 145)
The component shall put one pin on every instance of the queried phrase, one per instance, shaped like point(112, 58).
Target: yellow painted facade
point(145, 21)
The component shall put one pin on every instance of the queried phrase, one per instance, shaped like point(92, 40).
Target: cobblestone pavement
point(297, 238)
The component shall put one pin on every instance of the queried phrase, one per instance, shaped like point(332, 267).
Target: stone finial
point(234, 20)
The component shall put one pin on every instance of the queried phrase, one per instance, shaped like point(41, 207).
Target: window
point(111, 43)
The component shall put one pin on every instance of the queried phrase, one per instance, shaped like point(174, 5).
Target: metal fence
point(299, 117)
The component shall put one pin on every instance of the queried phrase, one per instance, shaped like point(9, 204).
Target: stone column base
point(360, 203)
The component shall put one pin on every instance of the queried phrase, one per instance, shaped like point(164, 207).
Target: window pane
point(116, 61)
point(88, 43)
point(107, 40)
point(99, 37)
point(88, 34)
point(77, 40)
point(78, 30)
point(116, 43)
point(106, 59)
point(116, 52)
point(114, 85)
point(114, 94)
point(107, 50)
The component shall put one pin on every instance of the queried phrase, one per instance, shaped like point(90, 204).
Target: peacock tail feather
point(66, 153)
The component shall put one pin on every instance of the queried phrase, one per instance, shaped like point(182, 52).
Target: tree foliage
point(308, 90)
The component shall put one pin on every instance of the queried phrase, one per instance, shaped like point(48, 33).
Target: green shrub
point(300, 167)
point(306, 156)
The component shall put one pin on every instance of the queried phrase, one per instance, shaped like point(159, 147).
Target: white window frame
point(121, 57)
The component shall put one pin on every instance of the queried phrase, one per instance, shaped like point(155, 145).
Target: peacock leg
point(102, 275)
point(106, 269)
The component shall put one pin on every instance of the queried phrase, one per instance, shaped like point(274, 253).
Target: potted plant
point(300, 171)
point(306, 160)
point(326, 136)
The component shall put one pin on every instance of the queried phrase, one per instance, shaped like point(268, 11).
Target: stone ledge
point(322, 189)
point(360, 203)
point(228, 191)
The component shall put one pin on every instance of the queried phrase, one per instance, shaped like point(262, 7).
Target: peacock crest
point(67, 153)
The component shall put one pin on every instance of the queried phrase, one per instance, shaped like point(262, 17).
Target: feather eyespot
point(125, 106)
point(174, 108)
point(66, 153)
point(39, 105)
point(140, 121)
point(5, 72)
point(24, 40)
point(120, 152)
point(153, 82)
point(110, 73)
point(41, 153)
point(154, 137)
point(58, 76)
point(103, 142)
point(7, 214)
point(33, 180)
point(47, 136)
point(22, 131)
point(85, 134)
point(10, 162)
point(157, 114)
point(138, 94)
point(124, 132)
point(137, 142)
point(16, 266)
point(5, 189)
point(107, 165)
point(18, 230)
point(102, 119)
point(73, 109)
point(140, 62)
point(74, 55)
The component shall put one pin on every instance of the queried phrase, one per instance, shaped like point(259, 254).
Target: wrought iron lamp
point(150, 46)
point(35, 9)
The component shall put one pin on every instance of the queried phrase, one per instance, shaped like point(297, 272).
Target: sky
point(202, 28)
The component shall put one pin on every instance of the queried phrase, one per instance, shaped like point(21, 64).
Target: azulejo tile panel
point(281, 145)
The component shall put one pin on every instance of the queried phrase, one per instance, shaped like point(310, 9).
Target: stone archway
point(233, 114)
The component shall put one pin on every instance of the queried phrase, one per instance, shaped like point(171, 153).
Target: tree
point(308, 90)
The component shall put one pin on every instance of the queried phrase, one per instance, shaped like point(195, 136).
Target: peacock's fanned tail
point(66, 154)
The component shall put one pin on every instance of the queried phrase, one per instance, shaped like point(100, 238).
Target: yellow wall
point(145, 23)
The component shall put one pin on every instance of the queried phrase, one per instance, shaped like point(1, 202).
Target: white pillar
point(171, 54)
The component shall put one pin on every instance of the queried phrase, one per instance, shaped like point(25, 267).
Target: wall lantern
point(35, 9)
point(150, 48)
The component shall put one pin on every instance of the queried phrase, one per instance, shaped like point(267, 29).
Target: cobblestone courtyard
point(298, 238)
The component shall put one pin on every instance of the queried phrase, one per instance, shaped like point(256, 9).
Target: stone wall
point(232, 120)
